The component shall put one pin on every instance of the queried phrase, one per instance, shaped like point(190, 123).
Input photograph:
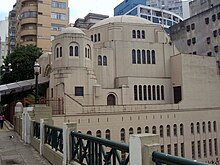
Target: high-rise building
point(39, 21)
point(3, 38)
point(11, 29)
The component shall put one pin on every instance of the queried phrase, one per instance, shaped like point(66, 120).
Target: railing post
point(26, 127)
point(67, 142)
point(141, 147)
point(42, 135)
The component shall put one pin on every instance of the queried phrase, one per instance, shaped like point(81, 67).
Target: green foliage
point(22, 63)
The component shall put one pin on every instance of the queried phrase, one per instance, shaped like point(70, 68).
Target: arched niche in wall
point(111, 99)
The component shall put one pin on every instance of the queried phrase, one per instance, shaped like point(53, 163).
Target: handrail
point(162, 158)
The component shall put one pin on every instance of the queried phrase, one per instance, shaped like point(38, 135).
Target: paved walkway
point(14, 151)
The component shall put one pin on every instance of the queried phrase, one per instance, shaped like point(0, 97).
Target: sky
point(78, 8)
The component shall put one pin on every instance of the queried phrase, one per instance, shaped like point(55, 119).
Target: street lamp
point(36, 72)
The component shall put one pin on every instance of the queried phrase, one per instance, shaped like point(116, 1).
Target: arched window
point(135, 92)
point(99, 60)
point(149, 92)
point(153, 57)
point(88, 53)
point(162, 92)
point(168, 130)
point(105, 60)
point(98, 133)
point(214, 126)
point(145, 92)
point(138, 56)
point(175, 130)
point(139, 130)
point(76, 51)
point(192, 128)
point(57, 52)
point(158, 92)
point(143, 57)
point(71, 51)
point(85, 52)
point(198, 127)
point(154, 131)
point(148, 57)
point(154, 92)
point(99, 37)
point(161, 131)
point(133, 56)
point(131, 131)
point(146, 129)
point(133, 34)
point(61, 51)
point(181, 129)
point(203, 127)
point(91, 37)
point(95, 37)
point(138, 34)
point(108, 134)
point(89, 132)
point(123, 135)
point(143, 34)
point(140, 92)
point(111, 99)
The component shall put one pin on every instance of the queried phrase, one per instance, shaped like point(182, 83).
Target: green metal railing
point(54, 137)
point(161, 158)
point(90, 150)
point(36, 127)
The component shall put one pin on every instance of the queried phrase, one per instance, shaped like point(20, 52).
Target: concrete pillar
point(67, 142)
point(141, 147)
point(42, 135)
point(26, 127)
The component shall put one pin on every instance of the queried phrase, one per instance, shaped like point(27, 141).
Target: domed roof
point(122, 19)
point(72, 30)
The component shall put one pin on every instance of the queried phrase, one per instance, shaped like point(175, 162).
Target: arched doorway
point(111, 99)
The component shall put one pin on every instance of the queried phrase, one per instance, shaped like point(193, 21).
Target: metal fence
point(90, 150)
point(36, 127)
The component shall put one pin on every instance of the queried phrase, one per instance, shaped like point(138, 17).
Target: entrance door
point(111, 99)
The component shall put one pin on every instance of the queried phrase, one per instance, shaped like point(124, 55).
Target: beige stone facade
point(39, 21)
point(124, 76)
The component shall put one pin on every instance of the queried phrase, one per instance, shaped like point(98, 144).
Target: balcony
point(28, 20)
point(28, 32)
point(27, 8)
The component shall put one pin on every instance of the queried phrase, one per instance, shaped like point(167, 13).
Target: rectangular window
point(162, 148)
point(188, 28)
point(189, 42)
point(216, 49)
point(79, 91)
point(56, 4)
point(176, 149)
point(215, 33)
point(169, 148)
point(193, 150)
point(209, 54)
point(193, 40)
point(192, 26)
point(216, 146)
point(199, 148)
point(60, 16)
point(182, 149)
point(207, 20)
point(57, 27)
point(204, 148)
point(208, 39)
point(210, 147)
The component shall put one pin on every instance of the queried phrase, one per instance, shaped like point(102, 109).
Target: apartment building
point(39, 21)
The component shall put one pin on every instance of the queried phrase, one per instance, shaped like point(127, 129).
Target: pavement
point(13, 151)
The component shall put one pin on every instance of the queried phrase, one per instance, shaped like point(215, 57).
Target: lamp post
point(36, 72)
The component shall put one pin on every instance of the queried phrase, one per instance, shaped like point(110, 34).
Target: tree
point(22, 63)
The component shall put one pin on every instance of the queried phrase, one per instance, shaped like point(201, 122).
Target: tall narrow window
point(138, 56)
point(143, 34)
point(145, 92)
point(198, 127)
point(210, 147)
point(76, 51)
point(162, 92)
point(176, 149)
point(98, 133)
point(140, 92)
point(199, 148)
point(95, 37)
point(154, 131)
point(138, 34)
point(168, 130)
point(193, 149)
point(139, 130)
point(192, 128)
point(133, 34)
point(57, 52)
point(169, 148)
point(143, 57)
point(99, 60)
point(161, 131)
point(158, 92)
point(91, 37)
point(175, 130)
point(216, 146)
point(149, 92)
point(204, 148)
point(105, 60)
point(133, 56)
point(148, 57)
point(153, 57)
point(89, 53)
point(154, 92)
point(209, 126)
point(214, 126)
point(203, 127)
point(85, 52)
point(182, 149)
point(135, 92)
point(61, 51)
point(108, 134)
point(181, 129)
point(99, 37)
point(71, 51)
point(123, 135)
point(146, 129)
